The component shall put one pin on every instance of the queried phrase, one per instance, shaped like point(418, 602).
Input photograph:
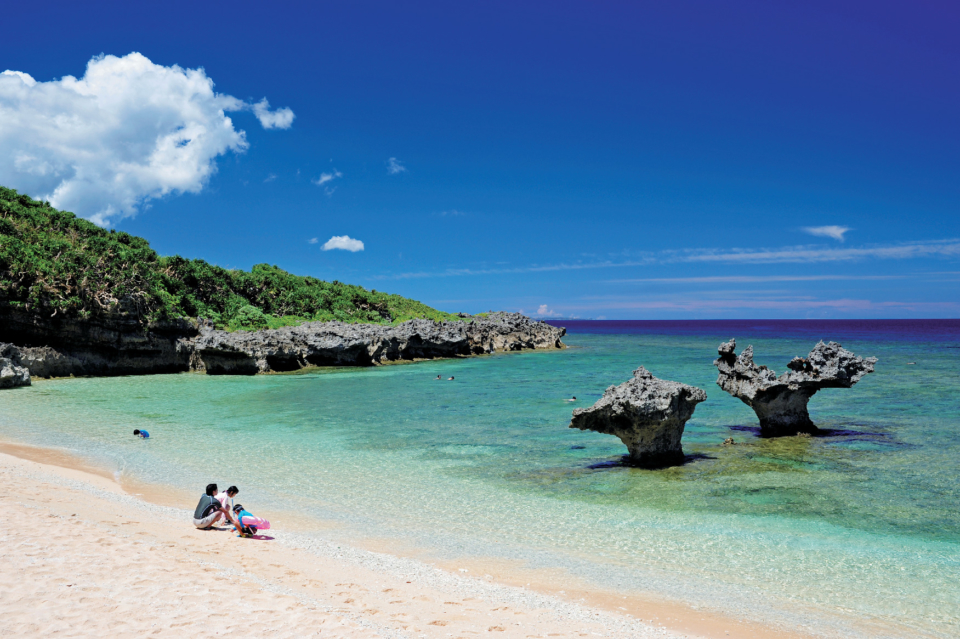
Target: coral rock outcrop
point(339, 344)
point(781, 402)
point(12, 373)
point(647, 414)
point(119, 346)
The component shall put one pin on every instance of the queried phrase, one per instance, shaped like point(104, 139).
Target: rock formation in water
point(781, 402)
point(119, 346)
point(12, 373)
point(647, 414)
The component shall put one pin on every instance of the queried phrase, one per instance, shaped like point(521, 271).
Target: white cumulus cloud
point(126, 132)
point(544, 311)
point(343, 242)
point(394, 166)
point(836, 232)
point(313, 240)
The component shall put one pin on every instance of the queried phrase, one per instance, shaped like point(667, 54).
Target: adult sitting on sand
point(210, 510)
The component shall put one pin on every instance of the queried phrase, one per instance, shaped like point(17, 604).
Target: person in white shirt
point(226, 498)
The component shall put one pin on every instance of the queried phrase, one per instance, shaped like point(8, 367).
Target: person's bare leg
point(216, 520)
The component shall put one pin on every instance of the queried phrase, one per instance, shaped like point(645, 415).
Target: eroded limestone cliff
point(338, 344)
point(117, 346)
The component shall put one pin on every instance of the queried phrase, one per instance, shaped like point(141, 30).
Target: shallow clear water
point(863, 523)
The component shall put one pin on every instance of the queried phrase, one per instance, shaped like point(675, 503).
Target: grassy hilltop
point(53, 263)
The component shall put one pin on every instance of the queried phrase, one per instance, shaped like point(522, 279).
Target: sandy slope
point(79, 557)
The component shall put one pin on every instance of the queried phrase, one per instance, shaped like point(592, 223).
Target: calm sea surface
point(860, 524)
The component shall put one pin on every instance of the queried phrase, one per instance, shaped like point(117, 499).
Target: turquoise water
point(859, 525)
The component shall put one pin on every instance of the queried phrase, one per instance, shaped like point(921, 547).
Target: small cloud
point(327, 177)
point(279, 119)
point(270, 178)
point(601, 317)
point(451, 213)
point(836, 232)
point(543, 311)
point(394, 166)
point(313, 240)
point(343, 242)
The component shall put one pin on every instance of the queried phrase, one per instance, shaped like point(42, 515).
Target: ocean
point(857, 528)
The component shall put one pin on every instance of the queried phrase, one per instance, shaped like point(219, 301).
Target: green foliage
point(249, 318)
point(54, 263)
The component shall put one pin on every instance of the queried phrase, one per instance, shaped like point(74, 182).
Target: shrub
point(249, 318)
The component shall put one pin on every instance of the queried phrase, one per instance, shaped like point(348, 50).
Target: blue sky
point(615, 160)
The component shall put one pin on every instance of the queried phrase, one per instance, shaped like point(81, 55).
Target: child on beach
point(141, 433)
point(240, 513)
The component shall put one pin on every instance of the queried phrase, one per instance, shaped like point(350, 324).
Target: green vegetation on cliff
point(54, 263)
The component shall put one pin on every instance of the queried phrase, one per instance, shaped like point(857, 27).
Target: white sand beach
point(81, 558)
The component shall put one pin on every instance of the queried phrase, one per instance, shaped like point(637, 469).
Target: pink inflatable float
point(257, 522)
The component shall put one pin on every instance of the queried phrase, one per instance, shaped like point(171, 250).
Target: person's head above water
point(232, 491)
point(450, 379)
point(211, 489)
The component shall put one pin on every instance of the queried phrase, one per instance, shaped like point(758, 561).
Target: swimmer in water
point(450, 379)
point(572, 399)
point(438, 377)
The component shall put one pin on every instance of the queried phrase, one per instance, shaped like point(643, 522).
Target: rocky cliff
point(338, 344)
point(647, 414)
point(119, 345)
point(781, 402)
point(111, 343)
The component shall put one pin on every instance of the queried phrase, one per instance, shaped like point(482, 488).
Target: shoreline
point(548, 600)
